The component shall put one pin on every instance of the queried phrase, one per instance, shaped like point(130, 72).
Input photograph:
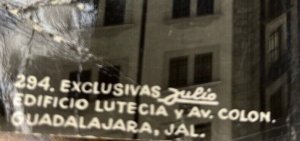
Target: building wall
point(119, 44)
point(253, 86)
point(232, 34)
point(288, 80)
point(246, 64)
point(167, 38)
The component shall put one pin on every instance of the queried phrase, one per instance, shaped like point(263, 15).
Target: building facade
point(266, 78)
point(188, 44)
point(246, 51)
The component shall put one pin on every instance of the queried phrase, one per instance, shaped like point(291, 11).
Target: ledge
point(193, 21)
point(114, 27)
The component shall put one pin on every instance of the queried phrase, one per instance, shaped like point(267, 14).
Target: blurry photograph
point(178, 70)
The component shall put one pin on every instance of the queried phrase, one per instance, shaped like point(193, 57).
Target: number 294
point(31, 82)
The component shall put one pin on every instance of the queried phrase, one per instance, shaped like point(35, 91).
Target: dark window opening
point(114, 12)
point(178, 72)
point(83, 76)
point(96, 4)
point(203, 129)
point(278, 109)
point(109, 75)
point(2, 106)
point(274, 47)
point(276, 56)
point(205, 7)
point(181, 8)
point(277, 104)
point(203, 68)
point(277, 7)
point(175, 137)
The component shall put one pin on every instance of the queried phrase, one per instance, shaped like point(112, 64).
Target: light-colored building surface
point(174, 43)
point(241, 49)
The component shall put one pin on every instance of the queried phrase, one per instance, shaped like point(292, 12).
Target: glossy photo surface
point(182, 70)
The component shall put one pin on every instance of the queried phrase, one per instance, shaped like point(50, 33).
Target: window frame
point(207, 11)
point(193, 50)
point(194, 9)
point(274, 50)
point(206, 78)
point(82, 78)
point(174, 81)
point(118, 69)
point(185, 14)
point(127, 16)
point(207, 127)
point(117, 18)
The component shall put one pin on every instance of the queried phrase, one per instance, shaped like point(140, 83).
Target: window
point(184, 8)
point(178, 137)
point(181, 8)
point(182, 75)
point(178, 72)
point(83, 76)
point(277, 104)
point(274, 46)
point(203, 129)
point(277, 7)
point(203, 68)
point(2, 106)
point(114, 12)
point(96, 4)
point(205, 7)
point(276, 57)
point(109, 75)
